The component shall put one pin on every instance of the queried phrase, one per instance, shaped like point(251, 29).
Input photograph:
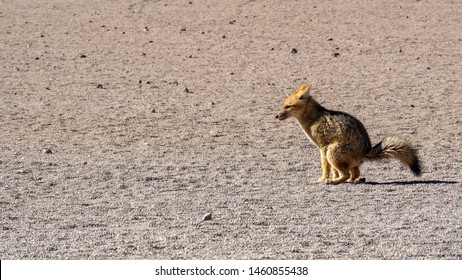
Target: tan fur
point(342, 140)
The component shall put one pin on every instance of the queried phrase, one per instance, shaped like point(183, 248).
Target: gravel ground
point(124, 122)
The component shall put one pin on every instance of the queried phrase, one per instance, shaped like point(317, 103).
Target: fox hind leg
point(343, 176)
point(354, 175)
point(334, 173)
point(338, 165)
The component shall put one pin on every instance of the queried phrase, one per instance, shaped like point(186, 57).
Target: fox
point(342, 139)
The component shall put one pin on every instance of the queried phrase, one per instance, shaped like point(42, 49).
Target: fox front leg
point(326, 167)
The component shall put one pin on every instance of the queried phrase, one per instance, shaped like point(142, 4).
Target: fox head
point(295, 103)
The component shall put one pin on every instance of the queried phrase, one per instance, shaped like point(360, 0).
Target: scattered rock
point(47, 151)
point(83, 56)
point(186, 90)
point(207, 217)
point(23, 171)
point(330, 39)
point(232, 21)
point(293, 51)
point(100, 86)
point(51, 249)
point(146, 29)
point(142, 54)
point(173, 82)
point(336, 54)
point(183, 29)
point(153, 110)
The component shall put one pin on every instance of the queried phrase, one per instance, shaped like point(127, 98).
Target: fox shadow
point(415, 182)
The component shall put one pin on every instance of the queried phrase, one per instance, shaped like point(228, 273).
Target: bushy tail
point(394, 147)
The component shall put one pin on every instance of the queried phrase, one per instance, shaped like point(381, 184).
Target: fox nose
point(277, 116)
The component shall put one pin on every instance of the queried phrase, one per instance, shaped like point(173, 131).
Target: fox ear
point(304, 92)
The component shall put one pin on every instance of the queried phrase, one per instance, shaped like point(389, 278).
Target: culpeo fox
point(342, 139)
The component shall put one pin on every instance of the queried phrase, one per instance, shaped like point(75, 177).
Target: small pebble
point(293, 51)
point(207, 217)
point(173, 82)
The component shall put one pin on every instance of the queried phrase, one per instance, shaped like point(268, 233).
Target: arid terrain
point(124, 122)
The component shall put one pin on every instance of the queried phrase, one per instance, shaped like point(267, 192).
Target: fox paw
point(357, 180)
point(329, 181)
point(322, 180)
point(336, 181)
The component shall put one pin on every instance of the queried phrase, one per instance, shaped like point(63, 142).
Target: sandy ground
point(124, 122)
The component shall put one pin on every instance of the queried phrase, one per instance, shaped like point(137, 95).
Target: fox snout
point(281, 116)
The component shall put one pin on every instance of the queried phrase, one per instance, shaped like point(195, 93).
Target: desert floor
point(124, 122)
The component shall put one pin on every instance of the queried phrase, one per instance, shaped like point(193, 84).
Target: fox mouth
point(281, 118)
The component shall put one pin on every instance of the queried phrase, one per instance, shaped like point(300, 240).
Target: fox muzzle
point(279, 117)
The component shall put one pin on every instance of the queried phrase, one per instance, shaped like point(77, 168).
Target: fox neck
point(309, 116)
point(311, 112)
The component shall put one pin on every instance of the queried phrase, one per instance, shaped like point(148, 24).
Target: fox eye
point(289, 106)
